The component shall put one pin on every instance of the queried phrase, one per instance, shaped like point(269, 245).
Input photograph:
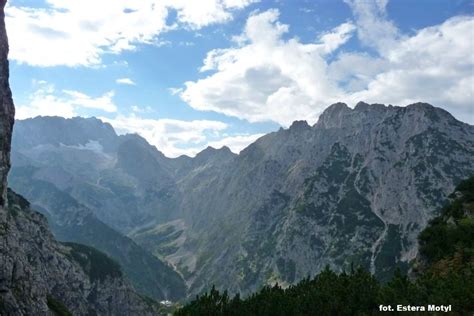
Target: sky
point(187, 74)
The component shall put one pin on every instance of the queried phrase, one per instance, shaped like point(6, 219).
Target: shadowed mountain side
point(71, 221)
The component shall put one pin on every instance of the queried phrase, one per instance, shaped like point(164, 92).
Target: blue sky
point(186, 74)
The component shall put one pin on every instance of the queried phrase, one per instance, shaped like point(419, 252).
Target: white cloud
point(172, 137)
point(268, 78)
point(435, 65)
point(197, 14)
point(175, 91)
point(373, 27)
point(126, 81)
point(331, 41)
point(70, 33)
point(43, 102)
point(103, 102)
point(354, 71)
point(138, 109)
point(47, 101)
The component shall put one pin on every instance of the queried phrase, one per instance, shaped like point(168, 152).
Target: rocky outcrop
point(38, 275)
point(7, 110)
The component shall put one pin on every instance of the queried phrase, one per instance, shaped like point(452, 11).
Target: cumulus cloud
point(70, 33)
point(373, 27)
point(334, 39)
point(47, 101)
point(435, 65)
point(197, 14)
point(79, 99)
point(125, 81)
point(266, 77)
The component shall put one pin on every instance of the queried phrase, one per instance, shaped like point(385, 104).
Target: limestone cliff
point(7, 110)
point(39, 275)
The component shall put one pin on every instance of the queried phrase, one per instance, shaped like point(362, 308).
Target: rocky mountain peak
point(361, 106)
point(332, 116)
point(211, 154)
point(339, 115)
point(76, 131)
point(299, 126)
point(431, 112)
point(375, 107)
point(335, 109)
point(210, 149)
point(421, 106)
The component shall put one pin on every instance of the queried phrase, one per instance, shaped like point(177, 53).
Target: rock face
point(356, 188)
point(7, 110)
point(38, 275)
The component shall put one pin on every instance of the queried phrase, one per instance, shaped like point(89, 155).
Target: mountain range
point(74, 222)
point(356, 188)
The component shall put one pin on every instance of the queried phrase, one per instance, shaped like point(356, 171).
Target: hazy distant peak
point(55, 130)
